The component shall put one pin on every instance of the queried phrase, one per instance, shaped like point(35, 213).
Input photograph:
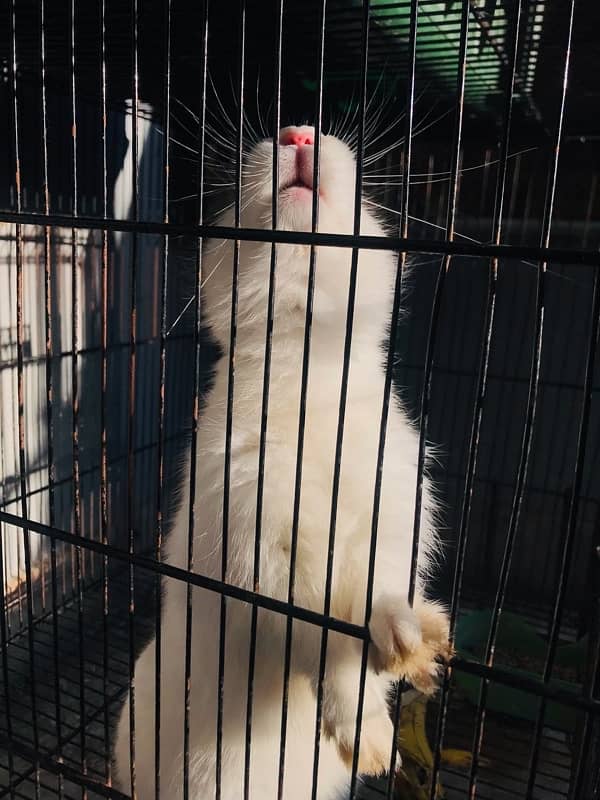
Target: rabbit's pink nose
point(297, 136)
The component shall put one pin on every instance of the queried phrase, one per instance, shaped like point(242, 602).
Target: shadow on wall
point(56, 507)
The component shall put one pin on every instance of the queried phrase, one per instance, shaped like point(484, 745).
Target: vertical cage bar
point(103, 399)
point(231, 376)
point(482, 377)
point(50, 395)
point(265, 393)
point(310, 288)
point(21, 410)
point(132, 365)
point(196, 401)
point(566, 555)
point(274, 211)
point(529, 419)
point(160, 457)
point(405, 173)
point(4, 635)
point(230, 391)
point(75, 404)
point(439, 288)
point(342, 414)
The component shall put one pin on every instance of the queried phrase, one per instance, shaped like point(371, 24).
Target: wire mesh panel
point(299, 424)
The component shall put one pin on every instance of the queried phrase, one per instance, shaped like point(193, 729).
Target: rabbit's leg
point(409, 642)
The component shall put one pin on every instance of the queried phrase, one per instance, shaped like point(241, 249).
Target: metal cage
point(488, 121)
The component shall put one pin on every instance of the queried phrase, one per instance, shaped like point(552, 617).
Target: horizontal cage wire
point(286, 288)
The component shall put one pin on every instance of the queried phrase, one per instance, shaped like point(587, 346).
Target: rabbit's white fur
point(405, 641)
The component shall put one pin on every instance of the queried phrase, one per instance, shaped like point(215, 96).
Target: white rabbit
point(405, 641)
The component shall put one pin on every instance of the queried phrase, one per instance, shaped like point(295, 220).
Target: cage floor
point(505, 749)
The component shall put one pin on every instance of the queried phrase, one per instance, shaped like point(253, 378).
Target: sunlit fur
point(395, 627)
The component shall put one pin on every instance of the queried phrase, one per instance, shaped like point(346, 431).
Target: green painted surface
point(438, 46)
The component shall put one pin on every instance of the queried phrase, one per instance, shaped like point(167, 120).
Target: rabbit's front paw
point(435, 628)
point(409, 642)
point(375, 750)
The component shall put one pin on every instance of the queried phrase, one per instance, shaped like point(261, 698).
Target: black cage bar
point(127, 135)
